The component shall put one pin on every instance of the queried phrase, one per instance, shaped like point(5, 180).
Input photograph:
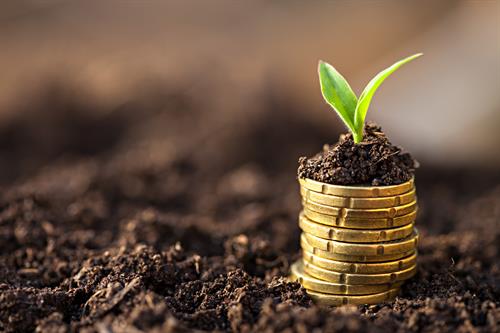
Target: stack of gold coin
point(359, 243)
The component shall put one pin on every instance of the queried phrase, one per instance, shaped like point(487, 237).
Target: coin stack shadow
point(359, 243)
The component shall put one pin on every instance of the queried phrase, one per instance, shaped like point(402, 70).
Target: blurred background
point(161, 123)
point(234, 83)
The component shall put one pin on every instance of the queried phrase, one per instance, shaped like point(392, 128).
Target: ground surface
point(134, 226)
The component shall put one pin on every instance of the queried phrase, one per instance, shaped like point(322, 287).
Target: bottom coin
point(311, 283)
point(335, 300)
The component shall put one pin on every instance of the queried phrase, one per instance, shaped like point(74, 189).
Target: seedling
point(339, 95)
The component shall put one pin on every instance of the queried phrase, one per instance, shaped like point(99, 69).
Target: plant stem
point(358, 136)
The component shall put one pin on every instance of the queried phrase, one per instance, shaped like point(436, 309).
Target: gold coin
point(361, 268)
point(350, 258)
point(358, 190)
point(311, 283)
point(358, 203)
point(360, 223)
point(365, 249)
point(353, 235)
point(355, 279)
point(337, 300)
point(361, 213)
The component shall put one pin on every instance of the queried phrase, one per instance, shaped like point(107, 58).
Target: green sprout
point(339, 95)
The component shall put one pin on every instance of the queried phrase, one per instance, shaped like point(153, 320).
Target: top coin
point(358, 203)
point(357, 190)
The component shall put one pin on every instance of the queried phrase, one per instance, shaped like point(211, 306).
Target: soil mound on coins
point(374, 161)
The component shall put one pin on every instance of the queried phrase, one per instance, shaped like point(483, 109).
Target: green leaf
point(337, 92)
point(367, 94)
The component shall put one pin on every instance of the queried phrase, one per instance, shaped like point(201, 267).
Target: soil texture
point(160, 231)
point(374, 161)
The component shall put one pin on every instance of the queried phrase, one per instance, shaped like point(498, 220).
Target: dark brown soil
point(143, 235)
point(373, 161)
